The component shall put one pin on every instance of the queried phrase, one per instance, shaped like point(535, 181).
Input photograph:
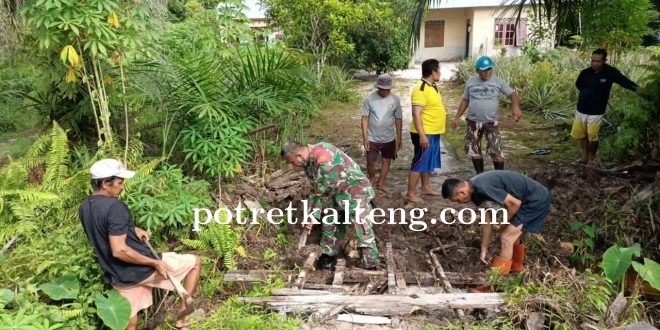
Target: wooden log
point(363, 319)
point(299, 292)
point(441, 273)
point(452, 300)
point(389, 257)
point(616, 309)
point(353, 276)
point(338, 280)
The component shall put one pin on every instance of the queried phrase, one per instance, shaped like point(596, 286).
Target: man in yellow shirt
point(429, 120)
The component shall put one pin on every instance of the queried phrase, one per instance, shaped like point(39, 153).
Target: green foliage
point(616, 261)
point(625, 32)
point(649, 271)
point(234, 315)
point(63, 287)
point(218, 237)
point(368, 35)
point(585, 244)
point(634, 119)
point(163, 201)
point(562, 297)
point(336, 85)
point(223, 100)
point(115, 310)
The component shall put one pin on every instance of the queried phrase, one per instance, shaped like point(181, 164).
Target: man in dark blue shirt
point(594, 84)
point(526, 201)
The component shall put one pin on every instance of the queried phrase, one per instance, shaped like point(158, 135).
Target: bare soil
point(586, 194)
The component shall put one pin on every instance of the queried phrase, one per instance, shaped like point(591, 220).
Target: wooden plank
point(338, 280)
point(299, 292)
point(302, 241)
point(452, 300)
point(441, 273)
point(352, 276)
point(400, 282)
point(363, 319)
point(389, 257)
point(309, 263)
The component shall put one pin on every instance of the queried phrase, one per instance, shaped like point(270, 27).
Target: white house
point(456, 29)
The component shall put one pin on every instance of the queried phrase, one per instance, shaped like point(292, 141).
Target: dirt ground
point(580, 193)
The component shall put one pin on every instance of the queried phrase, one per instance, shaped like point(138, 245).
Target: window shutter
point(521, 33)
point(434, 34)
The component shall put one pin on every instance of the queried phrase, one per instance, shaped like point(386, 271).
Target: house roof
point(254, 10)
point(446, 4)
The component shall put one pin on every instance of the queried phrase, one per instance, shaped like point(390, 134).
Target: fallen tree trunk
point(352, 276)
point(443, 300)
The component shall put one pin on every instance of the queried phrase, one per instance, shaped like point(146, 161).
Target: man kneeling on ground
point(338, 183)
point(129, 265)
point(526, 201)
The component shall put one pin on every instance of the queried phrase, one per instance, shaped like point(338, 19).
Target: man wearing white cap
point(381, 129)
point(129, 265)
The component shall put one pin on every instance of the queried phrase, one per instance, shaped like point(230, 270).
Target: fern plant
point(217, 238)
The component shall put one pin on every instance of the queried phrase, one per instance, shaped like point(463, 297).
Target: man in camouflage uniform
point(337, 181)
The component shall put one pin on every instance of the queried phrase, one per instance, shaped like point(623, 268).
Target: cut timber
point(441, 273)
point(363, 319)
point(302, 241)
point(391, 281)
point(353, 276)
point(400, 282)
point(309, 266)
point(616, 309)
point(451, 300)
point(299, 292)
point(338, 280)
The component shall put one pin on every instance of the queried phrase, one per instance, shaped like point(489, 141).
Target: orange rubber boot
point(517, 264)
point(503, 265)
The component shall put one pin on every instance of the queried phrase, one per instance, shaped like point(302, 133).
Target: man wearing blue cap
point(482, 100)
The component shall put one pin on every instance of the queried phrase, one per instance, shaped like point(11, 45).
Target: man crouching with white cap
point(129, 265)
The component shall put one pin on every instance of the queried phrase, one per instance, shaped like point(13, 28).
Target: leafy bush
point(162, 202)
point(336, 85)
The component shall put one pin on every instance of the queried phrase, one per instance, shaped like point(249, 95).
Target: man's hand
point(142, 234)
point(308, 226)
point(365, 143)
point(454, 124)
point(423, 141)
point(517, 114)
point(483, 256)
point(162, 268)
point(399, 144)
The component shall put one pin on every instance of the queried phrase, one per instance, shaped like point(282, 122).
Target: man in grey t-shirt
point(526, 201)
point(482, 100)
point(381, 129)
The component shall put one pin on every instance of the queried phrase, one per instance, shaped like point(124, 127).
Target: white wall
point(455, 33)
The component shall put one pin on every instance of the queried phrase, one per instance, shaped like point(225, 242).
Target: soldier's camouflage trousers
point(332, 234)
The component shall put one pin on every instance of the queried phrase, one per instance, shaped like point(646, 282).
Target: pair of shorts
point(474, 132)
point(387, 150)
point(140, 295)
point(586, 126)
point(426, 160)
point(532, 216)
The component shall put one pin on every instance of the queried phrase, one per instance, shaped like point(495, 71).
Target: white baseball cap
point(108, 167)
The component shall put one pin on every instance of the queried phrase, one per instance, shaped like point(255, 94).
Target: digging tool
point(180, 290)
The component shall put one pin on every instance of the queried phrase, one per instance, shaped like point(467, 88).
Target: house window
point(434, 34)
point(507, 34)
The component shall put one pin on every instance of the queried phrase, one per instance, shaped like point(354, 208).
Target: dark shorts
point(387, 150)
point(425, 160)
point(532, 216)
